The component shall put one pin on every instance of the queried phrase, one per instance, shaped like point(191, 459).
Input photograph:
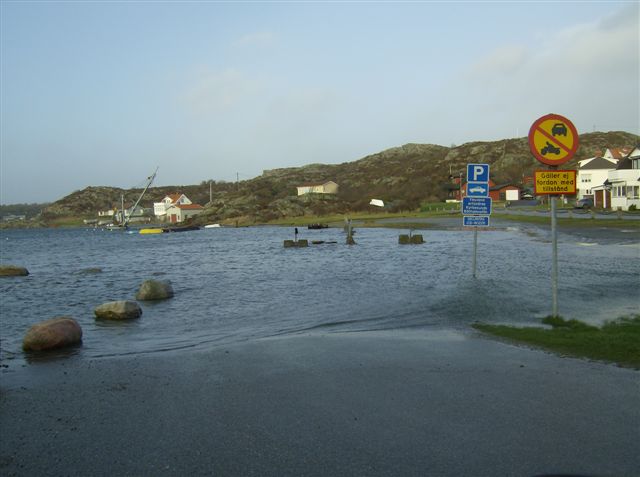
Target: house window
point(586, 178)
point(635, 194)
point(620, 191)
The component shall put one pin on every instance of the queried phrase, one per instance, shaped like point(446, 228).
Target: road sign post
point(553, 140)
point(476, 206)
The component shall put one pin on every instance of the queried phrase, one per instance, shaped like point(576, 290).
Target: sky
point(101, 93)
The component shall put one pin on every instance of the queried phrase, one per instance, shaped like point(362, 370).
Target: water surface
point(238, 284)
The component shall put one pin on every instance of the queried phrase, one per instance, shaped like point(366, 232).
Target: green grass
point(66, 222)
point(577, 222)
point(616, 341)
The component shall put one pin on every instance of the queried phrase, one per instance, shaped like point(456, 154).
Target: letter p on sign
point(477, 172)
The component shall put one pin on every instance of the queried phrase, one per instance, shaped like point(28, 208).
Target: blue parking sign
point(477, 189)
point(477, 172)
point(475, 221)
point(476, 206)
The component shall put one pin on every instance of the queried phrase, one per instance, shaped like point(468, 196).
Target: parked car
point(586, 203)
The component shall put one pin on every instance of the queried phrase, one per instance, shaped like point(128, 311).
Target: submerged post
point(350, 240)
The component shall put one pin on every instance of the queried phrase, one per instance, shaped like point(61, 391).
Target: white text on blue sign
point(476, 206)
point(475, 221)
point(477, 172)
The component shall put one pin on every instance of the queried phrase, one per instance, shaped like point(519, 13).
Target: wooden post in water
point(350, 240)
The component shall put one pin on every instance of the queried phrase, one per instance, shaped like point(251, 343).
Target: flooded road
point(234, 285)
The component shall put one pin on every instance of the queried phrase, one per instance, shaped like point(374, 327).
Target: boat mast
point(149, 181)
point(122, 210)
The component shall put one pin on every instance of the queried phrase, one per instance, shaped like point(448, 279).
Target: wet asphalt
point(406, 403)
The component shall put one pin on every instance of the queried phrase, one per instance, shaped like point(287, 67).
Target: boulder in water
point(154, 290)
point(118, 310)
point(13, 271)
point(51, 334)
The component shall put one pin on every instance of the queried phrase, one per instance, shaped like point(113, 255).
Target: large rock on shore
point(51, 334)
point(154, 290)
point(13, 271)
point(118, 310)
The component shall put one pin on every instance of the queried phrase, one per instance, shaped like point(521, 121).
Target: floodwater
point(235, 284)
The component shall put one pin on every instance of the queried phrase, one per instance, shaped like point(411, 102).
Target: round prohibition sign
point(553, 139)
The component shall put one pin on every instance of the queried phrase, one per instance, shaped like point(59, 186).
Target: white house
point(624, 182)
point(328, 187)
point(616, 153)
point(592, 173)
point(160, 208)
point(181, 212)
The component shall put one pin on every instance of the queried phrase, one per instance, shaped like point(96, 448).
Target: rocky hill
point(403, 176)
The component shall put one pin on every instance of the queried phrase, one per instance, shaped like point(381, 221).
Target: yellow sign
point(553, 139)
point(555, 182)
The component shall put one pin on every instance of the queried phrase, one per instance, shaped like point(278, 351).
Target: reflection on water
point(238, 284)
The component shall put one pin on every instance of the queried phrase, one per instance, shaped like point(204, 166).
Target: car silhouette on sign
point(477, 190)
point(559, 129)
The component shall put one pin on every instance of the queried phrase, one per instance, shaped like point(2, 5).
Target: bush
point(559, 322)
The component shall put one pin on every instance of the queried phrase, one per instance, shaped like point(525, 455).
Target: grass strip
point(616, 341)
point(575, 222)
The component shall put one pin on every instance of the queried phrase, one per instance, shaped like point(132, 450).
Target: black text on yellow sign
point(555, 182)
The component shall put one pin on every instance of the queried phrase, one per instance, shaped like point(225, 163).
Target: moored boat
point(151, 231)
point(185, 228)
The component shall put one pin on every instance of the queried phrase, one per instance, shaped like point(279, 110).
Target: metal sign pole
point(475, 249)
point(553, 140)
point(554, 257)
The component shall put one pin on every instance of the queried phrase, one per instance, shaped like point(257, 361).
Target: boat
point(124, 220)
point(212, 226)
point(151, 231)
point(317, 226)
point(166, 230)
point(185, 228)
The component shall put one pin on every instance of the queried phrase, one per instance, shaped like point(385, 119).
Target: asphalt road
point(377, 404)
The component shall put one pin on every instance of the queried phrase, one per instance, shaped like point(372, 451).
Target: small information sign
point(477, 189)
point(476, 206)
point(475, 221)
point(555, 182)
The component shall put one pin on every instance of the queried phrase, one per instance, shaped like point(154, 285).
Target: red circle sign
point(553, 139)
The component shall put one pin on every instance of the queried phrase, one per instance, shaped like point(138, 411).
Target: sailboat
point(124, 219)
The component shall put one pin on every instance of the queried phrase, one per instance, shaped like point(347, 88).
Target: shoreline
point(583, 219)
point(362, 403)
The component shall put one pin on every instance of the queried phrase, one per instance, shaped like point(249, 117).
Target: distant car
point(527, 197)
point(585, 203)
point(559, 129)
point(477, 190)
